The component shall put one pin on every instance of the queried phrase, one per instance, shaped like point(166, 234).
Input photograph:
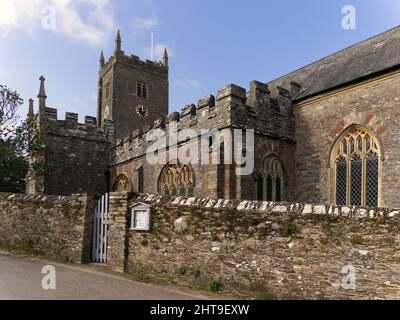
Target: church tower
point(132, 93)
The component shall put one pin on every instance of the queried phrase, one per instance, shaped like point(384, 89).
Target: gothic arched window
point(122, 184)
point(270, 180)
point(177, 180)
point(355, 161)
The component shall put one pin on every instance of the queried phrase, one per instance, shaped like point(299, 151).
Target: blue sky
point(212, 43)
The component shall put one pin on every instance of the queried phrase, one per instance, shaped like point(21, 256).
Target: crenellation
point(118, 143)
point(51, 114)
point(298, 174)
point(90, 121)
point(146, 129)
point(295, 89)
point(127, 141)
point(232, 90)
point(70, 127)
point(134, 57)
point(154, 66)
point(188, 110)
point(268, 115)
point(208, 101)
point(283, 92)
point(126, 83)
point(274, 103)
point(258, 95)
point(174, 116)
point(136, 134)
point(71, 120)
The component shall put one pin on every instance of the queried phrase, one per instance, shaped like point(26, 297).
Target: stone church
point(326, 133)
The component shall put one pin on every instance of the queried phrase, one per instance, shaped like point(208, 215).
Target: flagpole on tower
point(152, 46)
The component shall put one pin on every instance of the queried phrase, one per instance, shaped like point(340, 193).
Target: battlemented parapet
point(71, 128)
point(132, 92)
point(75, 155)
point(233, 107)
point(156, 67)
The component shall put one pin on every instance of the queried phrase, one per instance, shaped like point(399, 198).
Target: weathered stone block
point(181, 225)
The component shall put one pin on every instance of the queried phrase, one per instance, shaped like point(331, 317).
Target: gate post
point(118, 234)
point(87, 227)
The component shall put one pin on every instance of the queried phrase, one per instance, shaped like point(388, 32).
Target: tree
point(14, 137)
point(10, 101)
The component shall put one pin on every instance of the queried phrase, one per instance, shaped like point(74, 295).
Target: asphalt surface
point(21, 279)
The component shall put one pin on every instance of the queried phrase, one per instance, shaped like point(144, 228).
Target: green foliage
point(264, 297)
point(289, 228)
point(196, 272)
point(10, 101)
point(142, 277)
point(215, 286)
point(13, 169)
point(28, 244)
point(13, 143)
point(182, 270)
point(24, 246)
point(67, 259)
point(145, 242)
point(15, 139)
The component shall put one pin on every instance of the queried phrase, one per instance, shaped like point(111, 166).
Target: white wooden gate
point(101, 228)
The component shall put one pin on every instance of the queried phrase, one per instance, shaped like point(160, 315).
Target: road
point(21, 279)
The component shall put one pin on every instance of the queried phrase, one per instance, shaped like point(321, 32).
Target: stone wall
point(57, 227)
point(261, 249)
point(76, 155)
point(319, 122)
point(271, 117)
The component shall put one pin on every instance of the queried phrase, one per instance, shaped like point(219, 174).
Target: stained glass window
point(372, 181)
point(269, 188)
point(173, 191)
point(341, 185)
point(177, 179)
point(260, 188)
point(356, 160)
point(356, 181)
point(122, 184)
point(166, 191)
point(278, 189)
point(190, 190)
point(182, 191)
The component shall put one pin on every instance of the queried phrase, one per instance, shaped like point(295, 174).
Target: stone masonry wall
point(262, 249)
point(58, 227)
point(271, 117)
point(319, 123)
point(121, 75)
point(77, 155)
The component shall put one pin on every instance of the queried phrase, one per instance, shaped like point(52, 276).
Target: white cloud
point(188, 83)
point(139, 24)
point(158, 51)
point(27, 16)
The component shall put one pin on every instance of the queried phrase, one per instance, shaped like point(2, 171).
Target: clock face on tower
point(142, 111)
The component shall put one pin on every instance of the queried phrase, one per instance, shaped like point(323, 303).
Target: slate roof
point(367, 58)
